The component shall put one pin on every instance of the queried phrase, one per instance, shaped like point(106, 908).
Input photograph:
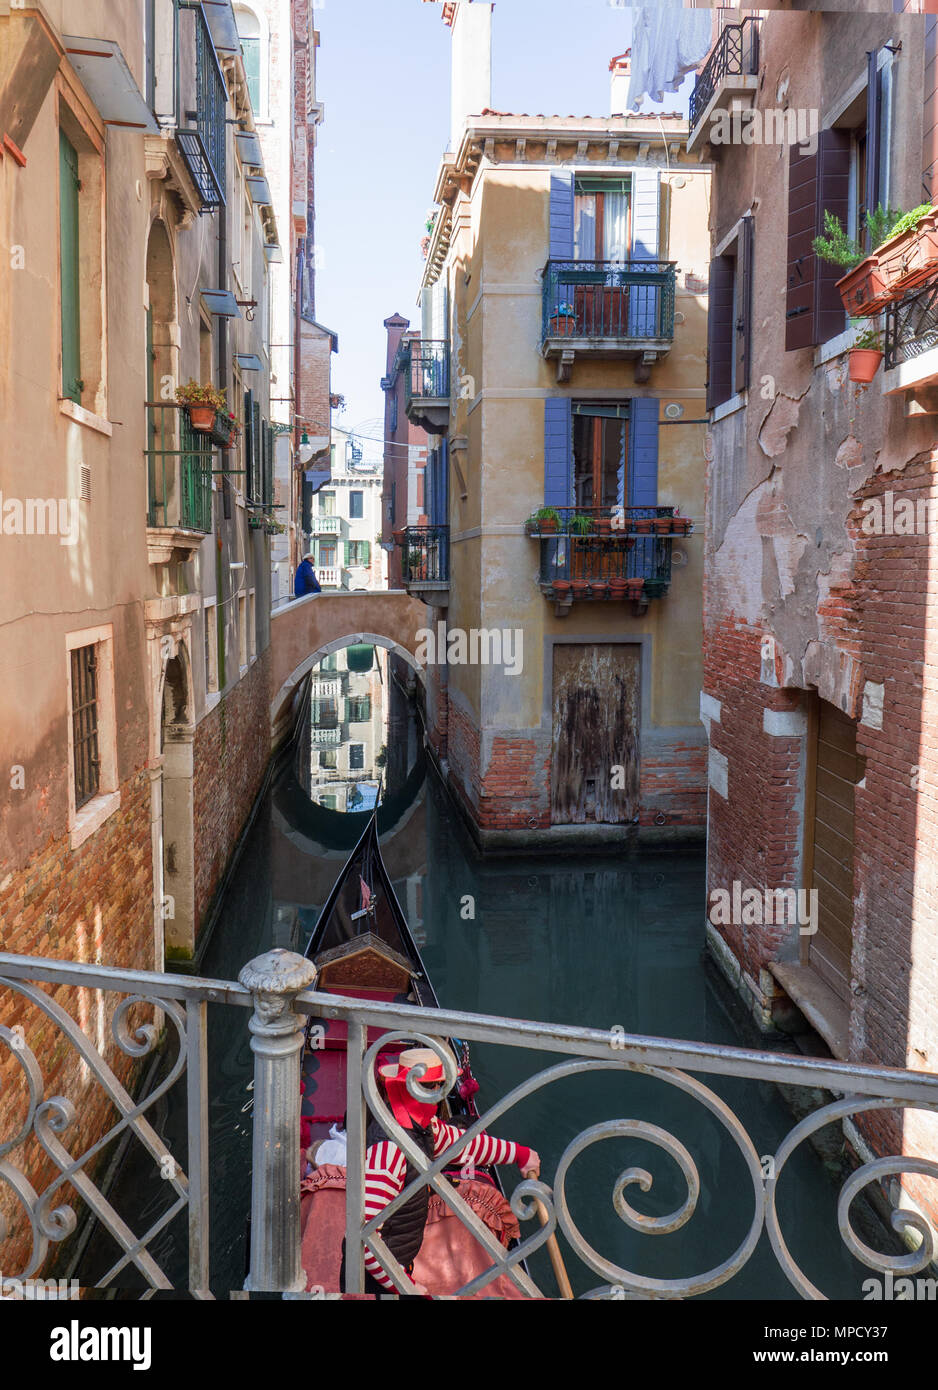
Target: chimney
point(471, 23)
point(620, 69)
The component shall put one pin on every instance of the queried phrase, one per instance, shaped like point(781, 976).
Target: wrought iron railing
point(274, 985)
point(179, 470)
point(912, 325)
point(425, 555)
point(623, 300)
point(426, 366)
point(202, 145)
point(735, 54)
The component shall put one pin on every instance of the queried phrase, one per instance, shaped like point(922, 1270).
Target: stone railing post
point(275, 979)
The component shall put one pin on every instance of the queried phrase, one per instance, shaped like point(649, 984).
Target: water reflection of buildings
point(348, 728)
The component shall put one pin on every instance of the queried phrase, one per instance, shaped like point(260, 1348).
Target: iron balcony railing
point(735, 54)
point(425, 555)
point(912, 325)
point(202, 144)
point(595, 551)
point(426, 367)
point(179, 470)
point(147, 1010)
point(623, 300)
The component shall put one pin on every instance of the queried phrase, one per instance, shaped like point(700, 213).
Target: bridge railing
point(43, 1175)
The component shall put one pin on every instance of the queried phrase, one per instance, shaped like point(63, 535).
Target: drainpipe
point(296, 480)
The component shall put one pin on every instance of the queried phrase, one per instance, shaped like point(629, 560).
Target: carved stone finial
point(278, 972)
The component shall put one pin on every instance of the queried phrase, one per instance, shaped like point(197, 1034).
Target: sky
point(383, 71)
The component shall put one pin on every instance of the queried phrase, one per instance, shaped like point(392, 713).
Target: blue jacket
point(306, 581)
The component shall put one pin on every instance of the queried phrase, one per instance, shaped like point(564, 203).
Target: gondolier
point(388, 1171)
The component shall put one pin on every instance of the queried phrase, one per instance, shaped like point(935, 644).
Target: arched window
point(254, 47)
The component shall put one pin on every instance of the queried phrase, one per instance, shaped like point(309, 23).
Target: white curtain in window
point(584, 227)
point(616, 227)
point(620, 471)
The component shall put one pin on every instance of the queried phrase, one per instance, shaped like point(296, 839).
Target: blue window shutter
point(561, 216)
point(643, 452)
point(645, 204)
point(558, 452)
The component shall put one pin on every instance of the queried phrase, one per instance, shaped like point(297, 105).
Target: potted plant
point(202, 402)
point(866, 355)
point(563, 321)
point(663, 525)
point(255, 523)
point(865, 288)
point(545, 519)
point(581, 524)
point(225, 429)
point(910, 255)
point(643, 525)
point(603, 525)
point(561, 587)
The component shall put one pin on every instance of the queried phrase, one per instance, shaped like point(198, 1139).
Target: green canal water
point(606, 940)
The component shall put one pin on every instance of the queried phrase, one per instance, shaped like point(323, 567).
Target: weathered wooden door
point(594, 769)
point(836, 771)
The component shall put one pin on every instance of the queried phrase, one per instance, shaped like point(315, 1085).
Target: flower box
point(224, 429)
point(864, 290)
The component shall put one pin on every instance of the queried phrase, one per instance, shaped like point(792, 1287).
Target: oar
point(553, 1249)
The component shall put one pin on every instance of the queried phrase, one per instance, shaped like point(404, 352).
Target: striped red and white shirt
point(386, 1165)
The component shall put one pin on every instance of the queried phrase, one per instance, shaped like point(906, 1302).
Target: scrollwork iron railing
point(427, 371)
point(626, 301)
point(425, 555)
point(277, 987)
point(735, 54)
point(912, 325)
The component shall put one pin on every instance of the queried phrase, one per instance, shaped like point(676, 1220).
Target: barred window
point(84, 672)
point(356, 756)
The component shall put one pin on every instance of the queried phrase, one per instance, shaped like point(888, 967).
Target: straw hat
point(416, 1056)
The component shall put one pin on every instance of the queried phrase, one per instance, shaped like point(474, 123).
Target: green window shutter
point(256, 460)
point(251, 49)
point(348, 553)
point(68, 233)
point(366, 552)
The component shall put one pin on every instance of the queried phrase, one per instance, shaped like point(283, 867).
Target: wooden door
point(596, 704)
point(836, 771)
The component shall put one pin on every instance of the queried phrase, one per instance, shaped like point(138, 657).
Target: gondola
point(363, 948)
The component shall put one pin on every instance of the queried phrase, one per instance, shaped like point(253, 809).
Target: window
point(253, 49)
point(729, 320)
point(242, 632)
point(356, 757)
point(327, 554)
point(85, 760)
point(252, 628)
point(82, 290)
point(327, 759)
point(600, 455)
point(358, 553)
point(393, 416)
point(325, 712)
point(601, 220)
point(356, 505)
point(328, 663)
point(359, 709)
point(211, 646)
point(327, 504)
point(69, 184)
point(93, 792)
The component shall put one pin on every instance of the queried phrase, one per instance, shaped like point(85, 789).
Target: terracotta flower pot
point(562, 325)
point(581, 588)
point(644, 525)
point(561, 587)
point(864, 289)
point(618, 588)
point(634, 588)
point(864, 364)
point(603, 525)
point(202, 418)
point(600, 588)
point(663, 525)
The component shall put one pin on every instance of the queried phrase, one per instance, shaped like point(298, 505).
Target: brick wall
point(93, 904)
point(232, 749)
point(673, 784)
point(755, 834)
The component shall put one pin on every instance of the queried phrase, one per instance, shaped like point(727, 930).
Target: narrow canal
point(604, 940)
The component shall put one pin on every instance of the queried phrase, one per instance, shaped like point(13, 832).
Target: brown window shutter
point(743, 325)
point(802, 262)
point(873, 133)
point(720, 335)
point(833, 193)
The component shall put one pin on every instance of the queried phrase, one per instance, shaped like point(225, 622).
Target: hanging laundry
point(668, 42)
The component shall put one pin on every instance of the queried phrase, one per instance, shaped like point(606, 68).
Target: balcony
point(326, 526)
point(332, 577)
point(179, 483)
point(729, 79)
point(425, 562)
point(911, 349)
point(607, 309)
point(607, 554)
point(326, 737)
point(426, 385)
point(202, 142)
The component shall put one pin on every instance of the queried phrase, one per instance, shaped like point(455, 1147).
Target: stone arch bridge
point(305, 630)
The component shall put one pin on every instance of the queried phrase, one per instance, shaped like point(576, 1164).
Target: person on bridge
point(306, 581)
point(388, 1171)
